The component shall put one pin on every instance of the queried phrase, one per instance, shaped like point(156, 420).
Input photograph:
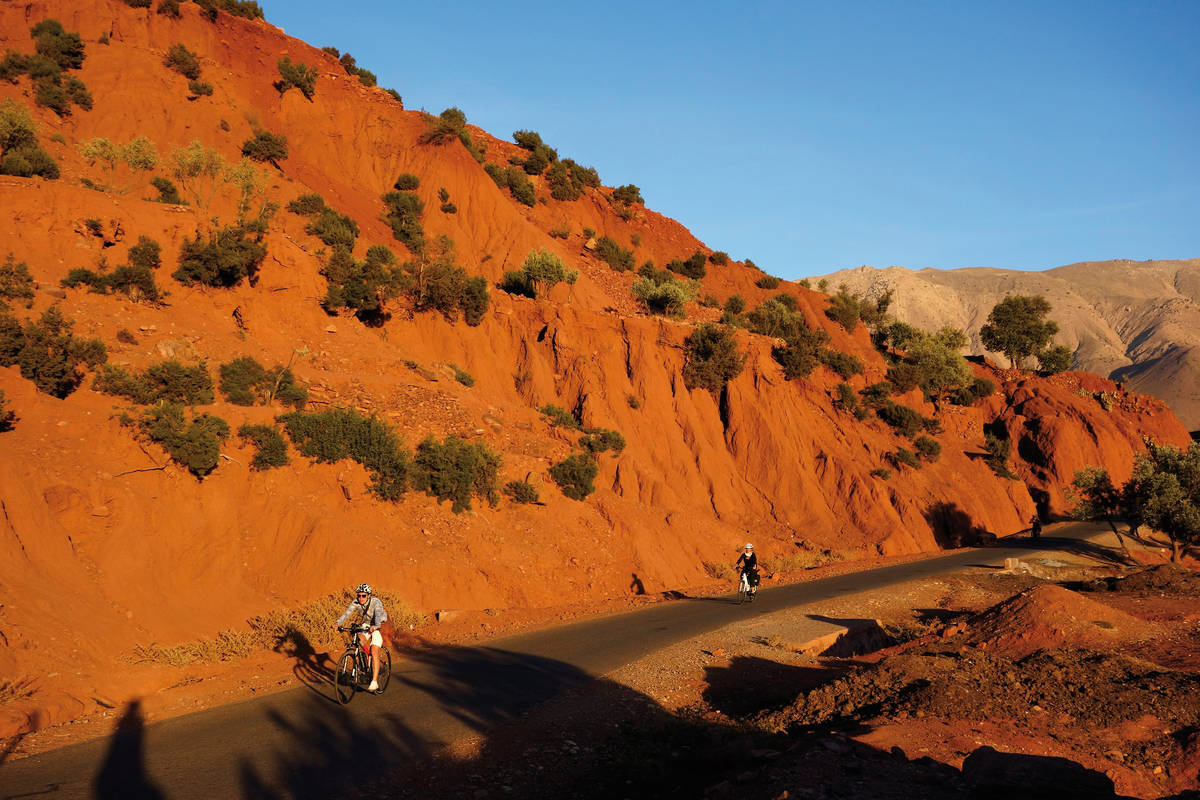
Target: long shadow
point(863, 636)
point(750, 684)
point(314, 670)
point(124, 772)
point(952, 527)
point(1078, 547)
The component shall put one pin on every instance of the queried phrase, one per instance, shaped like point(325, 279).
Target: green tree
point(266, 147)
point(1056, 359)
point(299, 75)
point(541, 271)
point(1017, 327)
point(1164, 493)
point(712, 358)
point(125, 166)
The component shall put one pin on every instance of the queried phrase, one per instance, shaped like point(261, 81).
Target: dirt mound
point(1163, 579)
point(1050, 616)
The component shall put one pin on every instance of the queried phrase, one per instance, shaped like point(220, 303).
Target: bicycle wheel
point(385, 669)
point(345, 678)
point(743, 590)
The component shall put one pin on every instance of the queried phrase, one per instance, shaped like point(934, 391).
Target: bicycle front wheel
point(344, 679)
point(385, 669)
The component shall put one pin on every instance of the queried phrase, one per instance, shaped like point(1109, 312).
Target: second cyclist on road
point(748, 564)
point(373, 616)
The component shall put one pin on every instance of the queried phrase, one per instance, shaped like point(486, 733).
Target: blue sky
point(812, 137)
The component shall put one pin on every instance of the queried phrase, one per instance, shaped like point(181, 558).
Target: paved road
point(301, 744)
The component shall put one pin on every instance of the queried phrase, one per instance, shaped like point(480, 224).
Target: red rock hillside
point(98, 536)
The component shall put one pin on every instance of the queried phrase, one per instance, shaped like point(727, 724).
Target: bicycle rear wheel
point(743, 590)
point(344, 679)
point(385, 669)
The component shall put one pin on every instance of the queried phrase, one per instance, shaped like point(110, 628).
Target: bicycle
point(744, 594)
point(354, 667)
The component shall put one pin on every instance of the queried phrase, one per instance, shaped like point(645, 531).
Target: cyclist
point(748, 563)
point(373, 616)
point(1035, 526)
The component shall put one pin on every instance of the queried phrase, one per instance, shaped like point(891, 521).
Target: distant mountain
point(1132, 321)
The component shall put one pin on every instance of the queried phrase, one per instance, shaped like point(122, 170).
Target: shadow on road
point(123, 776)
point(314, 670)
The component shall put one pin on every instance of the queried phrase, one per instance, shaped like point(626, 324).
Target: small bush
point(16, 283)
point(245, 382)
point(600, 440)
point(712, 358)
point(462, 376)
point(407, 182)
point(613, 254)
point(20, 153)
point(199, 88)
point(844, 364)
point(53, 42)
point(881, 472)
point(435, 283)
point(928, 448)
point(798, 355)
point(568, 180)
point(575, 475)
point(47, 352)
point(906, 458)
point(183, 61)
point(521, 492)
point(693, 267)
point(455, 470)
point(403, 213)
point(662, 294)
point(735, 305)
point(146, 253)
point(561, 231)
point(977, 390)
point(903, 419)
point(166, 381)
point(333, 229)
point(300, 76)
point(541, 271)
point(877, 394)
point(559, 416)
point(766, 281)
point(168, 192)
point(270, 448)
point(628, 194)
point(997, 448)
point(721, 259)
point(307, 205)
point(168, 8)
point(223, 259)
point(266, 147)
point(449, 125)
point(773, 319)
point(344, 433)
point(194, 444)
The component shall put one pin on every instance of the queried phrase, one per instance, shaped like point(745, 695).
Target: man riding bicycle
point(748, 564)
point(373, 616)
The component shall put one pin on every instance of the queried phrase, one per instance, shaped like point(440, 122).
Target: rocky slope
point(1133, 321)
point(97, 526)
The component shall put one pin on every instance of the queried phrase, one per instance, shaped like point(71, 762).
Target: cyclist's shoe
point(374, 687)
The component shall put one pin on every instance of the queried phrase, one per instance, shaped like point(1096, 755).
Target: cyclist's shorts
point(376, 639)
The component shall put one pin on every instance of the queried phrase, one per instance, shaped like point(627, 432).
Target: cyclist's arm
point(345, 615)
point(378, 616)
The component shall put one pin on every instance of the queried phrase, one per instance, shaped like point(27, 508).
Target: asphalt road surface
point(301, 744)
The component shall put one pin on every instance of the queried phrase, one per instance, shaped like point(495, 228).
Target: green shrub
point(575, 475)
point(222, 259)
point(721, 259)
point(169, 8)
point(712, 358)
point(710, 301)
point(266, 147)
point(843, 309)
point(997, 447)
point(147, 253)
point(541, 271)
point(844, 364)
point(906, 458)
point(168, 192)
point(521, 492)
point(560, 231)
point(200, 88)
point(16, 283)
point(407, 182)
point(693, 267)
point(194, 444)
point(403, 214)
point(613, 254)
point(736, 304)
point(766, 281)
point(48, 353)
point(361, 286)
point(137, 3)
point(300, 76)
point(435, 283)
point(628, 194)
point(774, 319)
point(598, 440)
point(333, 229)
point(77, 92)
point(270, 448)
point(903, 419)
point(662, 294)
point(135, 282)
point(462, 376)
point(846, 399)
point(245, 382)
point(787, 301)
point(455, 470)
point(928, 448)
point(307, 205)
point(529, 140)
point(799, 354)
point(166, 381)
point(537, 161)
point(183, 61)
point(20, 153)
point(247, 9)
point(53, 42)
point(520, 186)
point(559, 416)
point(474, 300)
point(365, 77)
point(344, 433)
point(568, 180)
point(977, 390)
point(449, 125)
point(881, 472)
point(1055, 359)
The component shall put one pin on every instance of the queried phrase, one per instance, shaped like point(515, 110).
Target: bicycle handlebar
point(354, 628)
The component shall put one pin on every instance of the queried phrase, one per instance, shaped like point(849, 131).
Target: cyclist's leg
point(365, 641)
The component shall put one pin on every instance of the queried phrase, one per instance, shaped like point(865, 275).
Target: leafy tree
point(403, 214)
point(663, 294)
point(630, 194)
point(195, 444)
point(48, 353)
point(299, 75)
point(16, 283)
point(436, 283)
point(1164, 493)
point(712, 358)
point(266, 147)
point(541, 271)
point(20, 153)
point(1056, 359)
point(365, 286)
point(199, 170)
point(799, 354)
point(1017, 327)
point(125, 166)
point(245, 382)
point(575, 475)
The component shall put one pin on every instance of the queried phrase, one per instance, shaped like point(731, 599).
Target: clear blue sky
point(812, 137)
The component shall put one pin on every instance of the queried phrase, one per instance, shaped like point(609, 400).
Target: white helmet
point(749, 546)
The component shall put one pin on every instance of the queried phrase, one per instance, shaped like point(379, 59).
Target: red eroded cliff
point(144, 552)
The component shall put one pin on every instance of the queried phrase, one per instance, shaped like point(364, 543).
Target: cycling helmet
point(364, 587)
point(749, 546)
